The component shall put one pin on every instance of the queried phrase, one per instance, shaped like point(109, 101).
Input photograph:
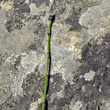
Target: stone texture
point(80, 50)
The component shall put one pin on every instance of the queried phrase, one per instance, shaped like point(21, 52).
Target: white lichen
point(35, 105)
point(33, 9)
point(75, 105)
point(89, 76)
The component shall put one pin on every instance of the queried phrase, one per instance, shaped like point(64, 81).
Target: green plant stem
point(47, 65)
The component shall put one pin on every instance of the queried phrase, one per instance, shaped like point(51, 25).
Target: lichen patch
point(89, 76)
point(7, 5)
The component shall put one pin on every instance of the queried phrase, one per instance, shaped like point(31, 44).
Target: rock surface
point(80, 51)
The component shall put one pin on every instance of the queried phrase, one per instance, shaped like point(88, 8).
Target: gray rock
point(80, 50)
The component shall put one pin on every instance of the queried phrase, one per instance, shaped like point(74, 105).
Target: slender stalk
point(48, 62)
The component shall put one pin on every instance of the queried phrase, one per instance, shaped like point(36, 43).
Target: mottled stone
point(80, 48)
point(40, 2)
point(96, 19)
point(28, 65)
point(74, 21)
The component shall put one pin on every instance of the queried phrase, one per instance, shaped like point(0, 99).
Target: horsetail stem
point(48, 62)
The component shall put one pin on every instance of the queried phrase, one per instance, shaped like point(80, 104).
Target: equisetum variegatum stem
point(48, 63)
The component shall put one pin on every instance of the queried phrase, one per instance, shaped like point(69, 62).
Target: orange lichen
point(44, 8)
point(6, 6)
